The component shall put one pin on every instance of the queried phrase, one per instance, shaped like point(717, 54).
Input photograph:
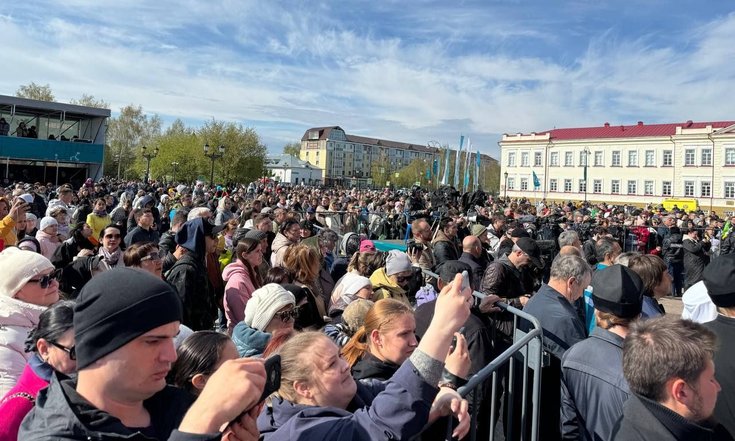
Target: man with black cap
point(719, 278)
point(593, 387)
point(553, 306)
point(189, 274)
point(124, 324)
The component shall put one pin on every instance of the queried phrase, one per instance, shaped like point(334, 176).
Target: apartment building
point(347, 160)
point(639, 164)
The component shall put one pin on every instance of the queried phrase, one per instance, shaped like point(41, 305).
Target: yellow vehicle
point(686, 204)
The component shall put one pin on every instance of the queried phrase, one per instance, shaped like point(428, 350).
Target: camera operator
point(445, 242)
point(495, 231)
point(695, 256)
point(419, 248)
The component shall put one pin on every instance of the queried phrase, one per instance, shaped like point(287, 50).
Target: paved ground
point(672, 305)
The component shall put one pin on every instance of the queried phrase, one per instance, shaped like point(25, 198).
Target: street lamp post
point(148, 156)
point(213, 155)
point(586, 162)
point(505, 187)
point(174, 165)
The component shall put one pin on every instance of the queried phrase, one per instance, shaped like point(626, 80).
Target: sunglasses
point(403, 279)
point(71, 351)
point(154, 256)
point(287, 316)
point(46, 280)
point(112, 236)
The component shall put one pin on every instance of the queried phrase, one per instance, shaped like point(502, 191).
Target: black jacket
point(672, 250)
point(444, 248)
point(371, 367)
point(167, 242)
point(189, 277)
point(695, 259)
point(60, 413)
point(646, 420)
point(478, 265)
point(138, 234)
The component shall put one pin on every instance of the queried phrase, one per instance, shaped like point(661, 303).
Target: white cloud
point(441, 72)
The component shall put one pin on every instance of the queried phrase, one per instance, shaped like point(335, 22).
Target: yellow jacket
point(384, 288)
point(98, 223)
point(7, 231)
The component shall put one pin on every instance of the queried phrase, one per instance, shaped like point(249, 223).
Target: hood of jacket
point(61, 413)
point(249, 341)
point(236, 268)
point(441, 237)
point(191, 236)
point(14, 312)
point(343, 244)
point(380, 279)
point(279, 242)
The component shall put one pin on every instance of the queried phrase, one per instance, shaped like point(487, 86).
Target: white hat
point(20, 266)
point(32, 221)
point(46, 222)
point(265, 303)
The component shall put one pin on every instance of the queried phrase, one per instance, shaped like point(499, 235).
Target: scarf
point(110, 258)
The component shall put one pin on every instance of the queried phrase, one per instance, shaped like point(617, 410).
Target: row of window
point(598, 157)
point(649, 187)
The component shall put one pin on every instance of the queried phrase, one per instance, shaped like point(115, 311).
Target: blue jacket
point(249, 342)
point(593, 388)
point(396, 409)
point(561, 324)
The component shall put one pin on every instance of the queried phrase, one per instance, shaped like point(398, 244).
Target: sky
point(410, 71)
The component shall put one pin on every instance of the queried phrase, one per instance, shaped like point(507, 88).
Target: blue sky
point(412, 71)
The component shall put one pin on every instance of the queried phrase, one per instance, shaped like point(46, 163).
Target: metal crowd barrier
point(527, 349)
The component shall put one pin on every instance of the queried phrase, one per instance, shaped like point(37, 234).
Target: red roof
point(639, 130)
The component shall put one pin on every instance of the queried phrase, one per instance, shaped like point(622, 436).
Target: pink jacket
point(238, 290)
point(15, 405)
point(48, 243)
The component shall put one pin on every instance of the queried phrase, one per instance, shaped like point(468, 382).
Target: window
point(666, 188)
point(615, 186)
point(511, 159)
point(616, 159)
point(524, 159)
point(524, 184)
point(648, 188)
point(650, 158)
point(511, 183)
point(597, 186)
point(553, 185)
point(582, 185)
point(583, 158)
point(689, 188)
point(554, 159)
point(705, 189)
point(689, 157)
point(599, 159)
point(537, 159)
point(730, 156)
point(668, 158)
point(632, 158)
point(632, 187)
point(568, 159)
point(706, 157)
point(567, 185)
point(730, 190)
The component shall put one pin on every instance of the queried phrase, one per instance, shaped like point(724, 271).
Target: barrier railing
point(527, 348)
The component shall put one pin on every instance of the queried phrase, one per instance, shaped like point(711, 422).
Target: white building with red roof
point(639, 164)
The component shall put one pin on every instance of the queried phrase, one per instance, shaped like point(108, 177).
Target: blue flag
point(536, 182)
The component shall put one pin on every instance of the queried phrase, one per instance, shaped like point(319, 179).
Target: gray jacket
point(593, 388)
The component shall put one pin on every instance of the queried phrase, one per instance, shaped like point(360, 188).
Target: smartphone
point(465, 280)
point(272, 376)
point(454, 339)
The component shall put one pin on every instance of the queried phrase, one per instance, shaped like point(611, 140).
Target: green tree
point(180, 145)
point(380, 170)
point(127, 133)
point(90, 101)
point(412, 173)
point(293, 149)
point(35, 92)
point(244, 157)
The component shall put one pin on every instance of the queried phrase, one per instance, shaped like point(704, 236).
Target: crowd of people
point(237, 312)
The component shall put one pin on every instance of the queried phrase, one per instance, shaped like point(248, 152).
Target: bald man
point(472, 256)
point(570, 250)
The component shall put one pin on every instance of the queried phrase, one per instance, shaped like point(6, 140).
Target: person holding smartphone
point(10, 215)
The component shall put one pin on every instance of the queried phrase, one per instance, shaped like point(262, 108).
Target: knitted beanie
point(118, 306)
point(265, 303)
point(18, 267)
point(46, 222)
point(397, 262)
